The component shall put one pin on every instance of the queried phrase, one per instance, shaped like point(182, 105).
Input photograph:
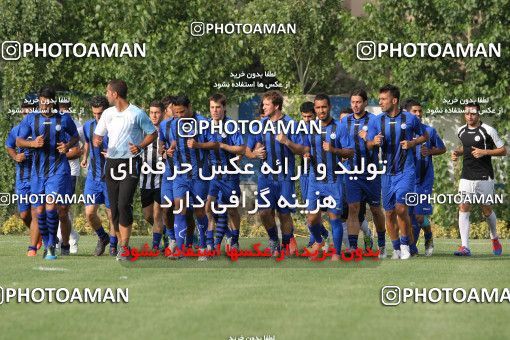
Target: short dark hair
point(25, 104)
point(99, 101)
point(157, 103)
point(219, 98)
point(47, 92)
point(307, 107)
point(275, 96)
point(409, 103)
point(167, 101)
point(322, 96)
point(392, 89)
point(473, 104)
point(346, 109)
point(182, 100)
point(361, 93)
point(120, 87)
point(66, 104)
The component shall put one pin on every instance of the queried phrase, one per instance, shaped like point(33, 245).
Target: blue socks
point(156, 240)
point(338, 233)
point(315, 229)
point(180, 229)
point(396, 244)
point(353, 241)
point(202, 228)
point(113, 241)
point(170, 232)
point(404, 240)
point(235, 237)
point(381, 239)
point(52, 224)
point(43, 228)
point(210, 238)
point(273, 234)
point(286, 239)
point(101, 233)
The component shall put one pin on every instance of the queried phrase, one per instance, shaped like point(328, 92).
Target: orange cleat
point(292, 246)
point(316, 250)
point(31, 253)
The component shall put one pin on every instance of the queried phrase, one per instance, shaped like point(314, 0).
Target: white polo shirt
point(128, 126)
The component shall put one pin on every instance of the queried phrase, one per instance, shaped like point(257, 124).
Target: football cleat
point(101, 245)
point(405, 252)
point(462, 251)
point(50, 253)
point(31, 253)
point(382, 252)
point(429, 247)
point(496, 247)
point(396, 255)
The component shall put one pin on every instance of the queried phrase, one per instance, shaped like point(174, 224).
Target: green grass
point(291, 300)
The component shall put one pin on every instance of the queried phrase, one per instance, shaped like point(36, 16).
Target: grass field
point(254, 297)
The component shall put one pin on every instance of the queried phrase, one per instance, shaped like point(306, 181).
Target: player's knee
point(486, 211)
point(464, 207)
point(354, 209)
point(400, 209)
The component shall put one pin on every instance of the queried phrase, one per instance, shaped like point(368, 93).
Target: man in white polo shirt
point(125, 125)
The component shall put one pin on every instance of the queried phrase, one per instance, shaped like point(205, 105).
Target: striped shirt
point(150, 156)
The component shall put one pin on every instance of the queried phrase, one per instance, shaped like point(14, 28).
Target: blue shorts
point(363, 190)
point(98, 190)
point(57, 184)
point(324, 190)
point(23, 188)
point(196, 188)
point(167, 192)
point(423, 208)
point(276, 189)
point(395, 188)
point(303, 182)
point(223, 189)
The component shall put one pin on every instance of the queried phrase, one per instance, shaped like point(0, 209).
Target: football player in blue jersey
point(424, 179)
point(269, 146)
point(223, 186)
point(363, 188)
point(51, 173)
point(94, 183)
point(23, 159)
point(394, 131)
point(189, 150)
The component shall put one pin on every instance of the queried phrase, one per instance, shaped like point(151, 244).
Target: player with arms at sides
point(223, 186)
point(93, 160)
point(23, 158)
point(424, 179)
point(51, 173)
point(269, 146)
point(325, 150)
point(480, 142)
point(359, 188)
point(394, 131)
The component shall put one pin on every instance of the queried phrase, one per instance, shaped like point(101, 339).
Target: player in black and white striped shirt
point(479, 143)
point(150, 183)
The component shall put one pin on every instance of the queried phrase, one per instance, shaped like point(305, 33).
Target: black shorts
point(149, 196)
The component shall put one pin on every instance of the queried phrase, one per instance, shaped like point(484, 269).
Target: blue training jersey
point(404, 126)
point(55, 129)
point(222, 157)
point(23, 169)
point(424, 165)
point(335, 134)
point(198, 158)
point(96, 158)
point(354, 126)
point(276, 153)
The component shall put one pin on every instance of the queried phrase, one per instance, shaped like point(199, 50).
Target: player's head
point(272, 102)
point(472, 113)
point(322, 106)
point(98, 104)
point(307, 111)
point(217, 106)
point(47, 100)
point(156, 111)
point(168, 102)
point(182, 107)
point(389, 95)
point(116, 90)
point(359, 101)
point(413, 106)
point(345, 112)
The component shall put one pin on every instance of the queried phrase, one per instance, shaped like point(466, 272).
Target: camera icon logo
point(391, 295)
point(411, 199)
point(11, 50)
point(5, 199)
point(187, 127)
point(365, 50)
point(197, 28)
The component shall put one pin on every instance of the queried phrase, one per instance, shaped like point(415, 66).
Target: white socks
point(491, 221)
point(464, 228)
point(364, 227)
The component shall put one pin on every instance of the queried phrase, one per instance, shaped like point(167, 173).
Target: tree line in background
point(320, 57)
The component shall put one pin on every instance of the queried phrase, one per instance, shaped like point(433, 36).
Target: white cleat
point(405, 253)
point(73, 241)
point(429, 247)
point(382, 252)
point(396, 255)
